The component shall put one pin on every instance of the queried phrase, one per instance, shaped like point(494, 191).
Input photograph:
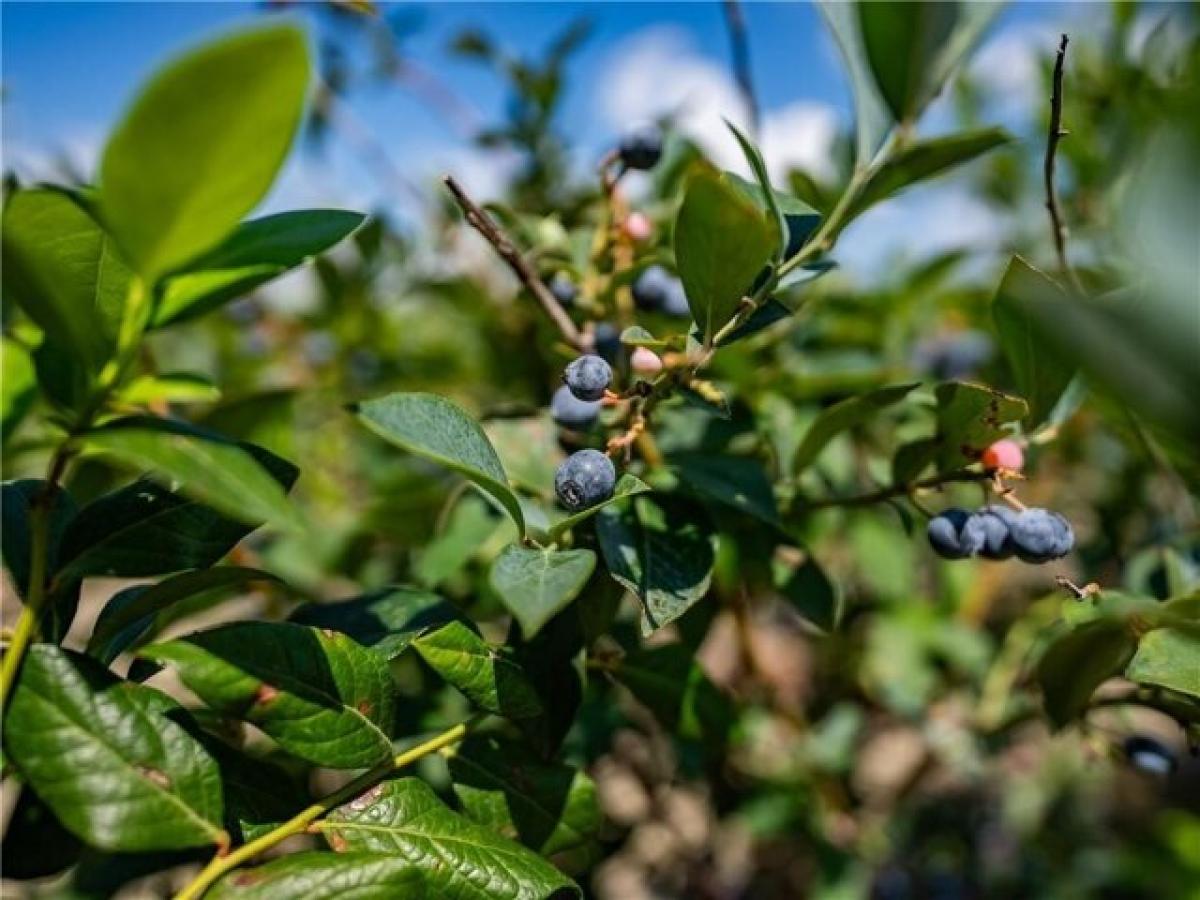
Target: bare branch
point(739, 46)
point(507, 250)
point(1057, 133)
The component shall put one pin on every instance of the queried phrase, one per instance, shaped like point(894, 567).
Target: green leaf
point(434, 428)
point(387, 620)
point(872, 119)
point(1041, 374)
point(755, 160)
point(210, 468)
point(403, 818)
point(63, 271)
point(734, 481)
point(810, 592)
point(551, 808)
point(672, 685)
point(627, 486)
point(317, 875)
point(321, 696)
point(105, 756)
point(257, 252)
point(969, 419)
point(259, 796)
point(722, 242)
point(171, 387)
point(662, 551)
point(764, 317)
point(144, 529)
point(921, 160)
point(129, 617)
point(1078, 662)
point(201, 145)
point(843, 415)
point(912, 459)
point(795, 218)
point(18, 387)
point(467, 530)
point(535, 584)
point(1169, 658)
point(902, 42)
point(485, 674)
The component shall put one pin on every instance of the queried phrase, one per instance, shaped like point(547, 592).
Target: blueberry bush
point(610, 538)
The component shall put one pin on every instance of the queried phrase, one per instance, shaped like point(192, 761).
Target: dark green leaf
point(912, 459)
point(551, 808)
point(810, 592)
point(145, 529)
point(208, 467)
point(257, 252)
point(841, 416)
point(1169, 658)
point(485, 674)
point(1078, 662)
point(755, 160)
point(672, 685)
point(63, 271)
point(1041, 374)
point(35, 843)
point(662, 551)
point(104, 755)
point(902, 43)
point(795, 218)
point(320, 695)
point(970, 417)
point(537, 583)
point(387, 620)
point(16, 536)
point(130, 616)
point(316, 875)
point(734, 481)
point(259, 796)
point(404, 818)
point(921, 160)
point(872, 119)
point(764, 317)
point(436, 429)
point(201, 145)
point(722, 242)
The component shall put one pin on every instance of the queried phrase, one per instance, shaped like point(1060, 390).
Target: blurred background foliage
point(901, 754)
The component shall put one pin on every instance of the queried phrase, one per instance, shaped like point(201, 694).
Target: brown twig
point(739, 46)
point(507, 250)
point(1057, 133)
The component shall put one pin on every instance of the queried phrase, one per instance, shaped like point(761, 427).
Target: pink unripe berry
point(1004, 454)
point(638, 226)
point(645, 361)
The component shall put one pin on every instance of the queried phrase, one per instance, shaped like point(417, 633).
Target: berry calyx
point(584, 479)
point(588, 377)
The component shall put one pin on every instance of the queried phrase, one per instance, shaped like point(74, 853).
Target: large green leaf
point(486, 675)
point(1170, 658)
point(663, 551)
point(387, 620)
point(16, 499)
point(872, 119)
point(1041, 374)
point(902, 43)
point(320, 695)
point(405, 819)
point(434, 428)
point(925, 159)
point(722, 242)
point(846, 414)
point(970, 417)
point(201, 145)
point(1078, 662)
point(257, 252)
point(733, 481)
point(796, 219)
point(627, 486)
point(103, 754)
point(318, 875)
point(63, 271)
point(129, 617)
point(145, 529)
point(551, 808)
point(535, 584)
point(18, 387)
point(210, 468)
point(670, 682)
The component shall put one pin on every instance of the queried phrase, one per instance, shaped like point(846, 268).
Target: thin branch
point(882, 495)
point(739, 46)
point(507, 250)
point(1057, 133)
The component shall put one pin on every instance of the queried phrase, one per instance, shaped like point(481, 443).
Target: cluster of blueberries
point(586, 477)
point(997, 532)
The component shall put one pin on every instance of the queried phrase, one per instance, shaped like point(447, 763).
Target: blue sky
point(69, 68)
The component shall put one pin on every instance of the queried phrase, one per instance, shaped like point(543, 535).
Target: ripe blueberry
point(953, 356)
point(996, 523)
point(675, 302)
point(955, 534)
point(588, 377)
point(1039, 535)
point(1149, 755)
point(571, 412)
point(641, 148)
point(584, 479)
point(607, 340)
point(1005, 454)
point(563, 289)
point(651, 287)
